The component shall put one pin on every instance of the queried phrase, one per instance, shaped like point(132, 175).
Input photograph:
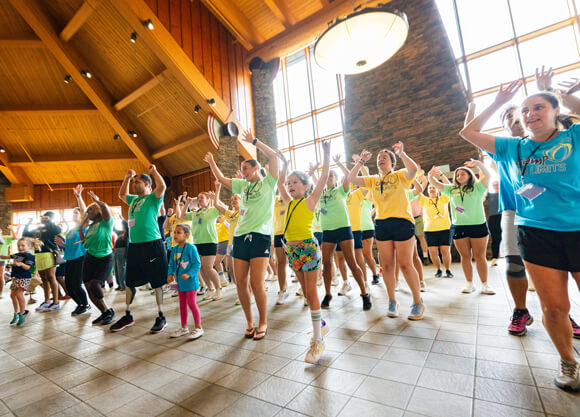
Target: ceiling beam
point(149, 85)
point(236, 21)
point(178, 145)
point(14, 174)
point(282, 12)
point(79, 19)
point(21, 43)
point(304, 32)
point(72, 158)
point(39, 20)
point(49, 111)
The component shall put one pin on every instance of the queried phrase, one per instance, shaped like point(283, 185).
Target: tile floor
point(458, 361)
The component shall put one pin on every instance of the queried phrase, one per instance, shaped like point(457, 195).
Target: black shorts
point(367, 234)
point(97, 268)
point(395, 229)
point(222, 248)
point(474, 231)
point(318, 236)
point(438, 238)
point(278, 239)
point(207, 249)
point(61, 270)
point(146, 263)
point(357, 236)
point(337, 235)
point(252, 245)
point(550, 248)
point(74, 270)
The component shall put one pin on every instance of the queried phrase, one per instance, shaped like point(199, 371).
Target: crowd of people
point(315, 223)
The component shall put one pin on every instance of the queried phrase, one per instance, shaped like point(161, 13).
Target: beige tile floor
point(458, 361)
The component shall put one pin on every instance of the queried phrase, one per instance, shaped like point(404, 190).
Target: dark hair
point(304, 179)
point(49, 214)
point(469, 186)
point(565, 120)
point(252, 162)
point(506, 110)
point(391, 155)
point(186, 228)
point(144, 178)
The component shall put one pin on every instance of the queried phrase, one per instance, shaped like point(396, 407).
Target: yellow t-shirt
point(300, 221)
point(232, 222)
point(390, 194)
point(279, 216)
point(435, 213)
point(353, 203)
point(223, 232)
point(173, 222)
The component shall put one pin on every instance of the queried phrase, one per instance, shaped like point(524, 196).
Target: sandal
point(250, 333)
point(260, 334)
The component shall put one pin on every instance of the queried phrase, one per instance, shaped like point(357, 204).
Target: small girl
point(21, 265)
point(184, 265)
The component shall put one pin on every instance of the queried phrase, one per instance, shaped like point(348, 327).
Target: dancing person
point(22, 262)
point(45, 261)
point(494, 220)
point(120, 255)
point(279, 252)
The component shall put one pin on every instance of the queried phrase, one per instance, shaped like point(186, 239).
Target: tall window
point(309, 109)
point(499, 41)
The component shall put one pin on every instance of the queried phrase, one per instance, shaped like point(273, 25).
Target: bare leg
point(405, 257)
point(446, 255)
point(464, 248)
point(368, 254)
point(328, 250)
point(434, 254)
point(281, 263)
point(257, 273)
point(479, 247)
point(387, 259)
point(347, 247)
point(341, 264)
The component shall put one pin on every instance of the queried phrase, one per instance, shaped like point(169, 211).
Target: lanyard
point(134, 206)
point(328, 194)
point(250, 189)
point(520, 162)
point(291, 212)
point(383, 182)
point(436, 203)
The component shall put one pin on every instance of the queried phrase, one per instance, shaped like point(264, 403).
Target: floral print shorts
point(305, 256)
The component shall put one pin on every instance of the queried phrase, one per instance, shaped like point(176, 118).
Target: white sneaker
point(306, 303)
point(315, 351)
point(300, 293)
point(195, 334)
point(179, 332)
point(218, 294)
point(422, 285)
point(224, 282)
point(334, 282)
point(568, 378)
point(494, 262)
point(486, 289)
point(469, 288)
point(319, 282)
point(209, 295)
point(271, 277)
point(175, 294)
point(345, 288)
point(237, 302)
point(397, 285)
point(282, 296)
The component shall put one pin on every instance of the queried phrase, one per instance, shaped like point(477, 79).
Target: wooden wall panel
point(194, 182)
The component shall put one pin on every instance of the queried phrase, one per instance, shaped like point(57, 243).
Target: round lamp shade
point(362, 41)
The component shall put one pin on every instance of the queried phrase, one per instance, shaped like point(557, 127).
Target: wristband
point(255, 141)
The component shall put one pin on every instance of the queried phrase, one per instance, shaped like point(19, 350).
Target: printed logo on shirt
point(552, 160)
point(137, 204)
point(386, 183)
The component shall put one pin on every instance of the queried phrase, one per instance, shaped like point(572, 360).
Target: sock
point(316, 324)
point(221, 274)
point(425, 255)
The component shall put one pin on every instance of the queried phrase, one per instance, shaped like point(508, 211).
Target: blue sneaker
point(44, 305)
point(15, 318)
point(393, 309)
point(417, 310)
point(23, 317)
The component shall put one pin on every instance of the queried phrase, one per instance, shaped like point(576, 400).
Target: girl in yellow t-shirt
point(395, 230)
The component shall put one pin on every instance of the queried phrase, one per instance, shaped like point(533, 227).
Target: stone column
point(228, 160)
point(5, 207)
point(264, 108)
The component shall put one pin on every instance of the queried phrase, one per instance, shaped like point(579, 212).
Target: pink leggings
point(187, 298)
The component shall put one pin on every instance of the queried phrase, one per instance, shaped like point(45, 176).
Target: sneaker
point(202, 291)
point(218, 294)
point(366, 299)
point(486, 289)
point(448, 274)
point(282, 296)
point(99, 320)
point(469, 288)
point(300, 293)
point(109, 316)
point(52, 307)
point(438, 274)
point(306, 303)
point(23, 317)
point(393, 309)
point(346, 287)
point(85, 309)
point(15, 318)
point(237, 302)
point(224, 282)
point(175, 294)
point(375, 280)
point(520, 319)
point(326, 301)
point(271, 277)
point(422, 285)
point(417, 310)
point(315, 351)
point(123, 322)
point(323, 328)
point(195, 334)
point(568, 377)
point(182, 331)
point(397, 285)
point(575, 328)
point(44, 305)
point(494, 262)
point(209, 295)
point(76, 311)
point(160, 324)
point(531, 289)
point(334, 282)
point(319, 282)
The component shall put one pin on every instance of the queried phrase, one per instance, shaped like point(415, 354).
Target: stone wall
point(264, 108)
point(5, 207)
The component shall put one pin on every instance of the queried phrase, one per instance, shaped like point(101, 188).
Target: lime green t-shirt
point(98, 240)
point(257, 205)
point(203, 224)
point(333, 209)
point(143, 212)
point(316, 226)
point(366, 215)
point(4, 248)
point(466, 208)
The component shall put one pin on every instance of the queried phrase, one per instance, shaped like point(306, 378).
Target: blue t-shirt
point(73, 247)
point(27, 259)
point(185, 260)
point(553, 165)
point(507, 197)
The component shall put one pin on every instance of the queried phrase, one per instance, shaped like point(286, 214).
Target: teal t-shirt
point(143, 213)
point(203, 225)
point(257, 205)
point(466, 208)
point(366, 215)
point(6, 245)
point(333, 209)
point(99, 240)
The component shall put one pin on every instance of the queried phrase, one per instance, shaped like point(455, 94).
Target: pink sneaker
point(520, 319)
point(575, 328)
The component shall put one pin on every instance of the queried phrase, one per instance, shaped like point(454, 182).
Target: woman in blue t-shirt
point(545, 168)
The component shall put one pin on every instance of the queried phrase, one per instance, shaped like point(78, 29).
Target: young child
point(184, 265)
point(21, 265)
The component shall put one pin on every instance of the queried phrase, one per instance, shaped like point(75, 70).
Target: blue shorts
point(367, 234)
point(357, 235)
point(395, 229)
point(252, 245)
point(337, 235)
point(278, 239)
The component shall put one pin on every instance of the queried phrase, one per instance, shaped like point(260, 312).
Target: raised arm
point(312, 172)
point(544, 83)
point(432, 176)
point(410, 165)
point(78, 192)
point(473, 131)
point(417, 187)
point(160, 186)
point(313, 198)
point(281, 183)
point(105, 212)
point(247, 136)
point(345, 182)
point(484, 170)
point(124, 190)
point(217, 173)
point(353, 177)
point(218, 204)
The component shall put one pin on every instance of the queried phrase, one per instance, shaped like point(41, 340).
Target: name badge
point(459, 209)
point(131, 222)
point(323, 211)
point(242, 212)
point(199, 221)
point(282, 212)
point(530, 191)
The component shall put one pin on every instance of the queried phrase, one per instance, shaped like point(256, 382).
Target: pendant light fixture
point(361, 41)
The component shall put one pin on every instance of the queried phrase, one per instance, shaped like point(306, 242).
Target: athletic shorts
point(305, 256)
point(61, 270)
point(337, 235)
point(395, 229)
point(367, 234)
point(419, 225)
point(97, 268)
point(438, 238)
point(357, 235)
point(207, 249)
point(252, 245)
point(474, 231)
point(278, 239)
point(318, 237)
point(230, 250)
point(222, 248)
point(550, 248)
point(146, 263)
point(509, 234)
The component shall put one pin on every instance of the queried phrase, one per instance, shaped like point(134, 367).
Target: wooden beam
point(178, 145)
point(72, 159)
point(282, 12)
point(236, 21)
point(149, 85)
point(49, 111)
point(21, 43)
point(79, 19)
point(14, 174)
point(304, 32)
point(39, 20)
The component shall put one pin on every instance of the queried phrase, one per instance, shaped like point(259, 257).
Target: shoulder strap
point(290, 213)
